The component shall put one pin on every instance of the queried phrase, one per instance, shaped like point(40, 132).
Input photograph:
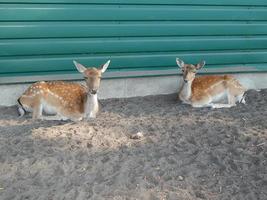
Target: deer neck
point(186, 91)
point(91, 105)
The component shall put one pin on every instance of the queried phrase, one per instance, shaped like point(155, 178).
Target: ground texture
point(185, 153)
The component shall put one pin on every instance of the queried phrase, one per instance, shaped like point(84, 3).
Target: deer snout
point(185, 78)
point(93, 91)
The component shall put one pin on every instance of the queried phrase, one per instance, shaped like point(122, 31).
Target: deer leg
point(198, 105)
point(220, 105)
point(77, 119)
point(231, 102)
point(54, 118)
point(205, 101)
point(59, 116)
point(241, 98)
point(92, 115)
point(37, 111)
point(237, 92)
point(231, 99)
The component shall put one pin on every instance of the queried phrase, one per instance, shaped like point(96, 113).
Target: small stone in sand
point(180, 178)
point(137, 136)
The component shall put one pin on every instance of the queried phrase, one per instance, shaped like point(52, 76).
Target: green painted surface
point(118, 30)
point(44, 36)
point(57, 12)
point(142, 2)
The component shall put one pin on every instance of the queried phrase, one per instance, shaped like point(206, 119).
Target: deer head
point(189, 70)
point(92, 75)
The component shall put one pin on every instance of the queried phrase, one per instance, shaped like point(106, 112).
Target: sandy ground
point(185, 153)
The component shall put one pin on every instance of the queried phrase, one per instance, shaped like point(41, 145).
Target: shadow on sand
point(185, 153)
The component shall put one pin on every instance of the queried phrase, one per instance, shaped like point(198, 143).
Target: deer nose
point(185, 81)
point(93, 91)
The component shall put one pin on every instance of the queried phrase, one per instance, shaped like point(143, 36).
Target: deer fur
point(64, 100)
point(207, 91)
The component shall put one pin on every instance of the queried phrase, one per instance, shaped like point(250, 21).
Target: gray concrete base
point(131, 87)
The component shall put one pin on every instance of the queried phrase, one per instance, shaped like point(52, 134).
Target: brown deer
point(207, 91)
point(64, 100)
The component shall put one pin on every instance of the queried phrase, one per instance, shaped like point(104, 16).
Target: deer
point(208, 90)
point(62, 100)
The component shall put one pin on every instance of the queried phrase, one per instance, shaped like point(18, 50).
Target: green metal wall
point(42, 37)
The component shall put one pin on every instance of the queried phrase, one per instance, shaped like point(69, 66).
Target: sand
point(182, 153)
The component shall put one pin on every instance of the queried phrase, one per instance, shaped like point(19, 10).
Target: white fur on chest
point(91, 106)
point(185, 93)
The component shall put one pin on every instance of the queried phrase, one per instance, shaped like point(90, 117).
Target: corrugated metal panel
point(42, 37)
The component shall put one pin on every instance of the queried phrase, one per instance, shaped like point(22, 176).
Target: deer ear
point(180, 63)
point(200, 65)
point(79, 67)
point(105, 66)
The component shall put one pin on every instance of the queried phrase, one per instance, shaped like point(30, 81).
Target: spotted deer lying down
point(64, 100)
point(207, 91)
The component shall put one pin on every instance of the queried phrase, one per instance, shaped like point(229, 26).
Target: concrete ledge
point(131, 87)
